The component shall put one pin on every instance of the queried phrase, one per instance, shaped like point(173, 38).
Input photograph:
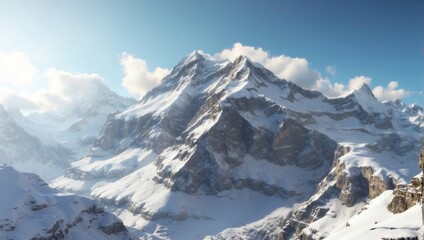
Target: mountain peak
point(364, 90)
point(191, 59)
point(197, 55)
point(244, 60)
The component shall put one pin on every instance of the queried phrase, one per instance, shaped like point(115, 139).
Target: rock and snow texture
point(30, 209)
point(222, 145)
point(27, 152)
point(53, 139)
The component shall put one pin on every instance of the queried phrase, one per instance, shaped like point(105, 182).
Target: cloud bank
point(16, 69)
point(389, 93)
point(66, 88)
point(58, 89)
point(138, 80)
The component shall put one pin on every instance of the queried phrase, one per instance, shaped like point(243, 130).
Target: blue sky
point(381, 40)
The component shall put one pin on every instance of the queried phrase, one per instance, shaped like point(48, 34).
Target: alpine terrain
point(55, 138)
point(31, 210)
point(226, 150)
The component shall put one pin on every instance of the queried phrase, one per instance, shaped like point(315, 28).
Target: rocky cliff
point(408, 195)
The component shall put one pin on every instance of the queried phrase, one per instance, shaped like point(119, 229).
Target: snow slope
point(30, 209)
point(374, 221)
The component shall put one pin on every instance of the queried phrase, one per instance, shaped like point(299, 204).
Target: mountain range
point(55, 138)
point(226, 150)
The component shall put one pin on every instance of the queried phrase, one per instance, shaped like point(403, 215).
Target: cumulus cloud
point(16, 69)
point(389, 93)
point(12, 100)
point(357, 82)
point(138, 80)
point(55, 90)
point(331, 70)
point(293, 69)
point(73, 86)
point(62, 90)
point(338, 89)
point(66, 88)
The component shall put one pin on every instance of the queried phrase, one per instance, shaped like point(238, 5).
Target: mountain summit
point(220, 145)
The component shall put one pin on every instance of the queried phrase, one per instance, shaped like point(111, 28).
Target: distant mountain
point(77, 124)
point(30, 209)
point(53, 139)
point(228, 150)
point(27, 152)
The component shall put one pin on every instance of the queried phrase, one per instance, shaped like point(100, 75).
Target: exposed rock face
point(404, 198)
point(293, 138)
point(407, 195)
point(348, 188)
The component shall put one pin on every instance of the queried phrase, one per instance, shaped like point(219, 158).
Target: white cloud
point(16, 69)
point(66, 88)
point(63, 89)
point(331, 89)
point(339, 89)
point(138, 80)
point(331, 70)
point(357, 82)
point(72, 86)
point(389, 93)
point(56, 89)
point(12, 101)
point(293, 69)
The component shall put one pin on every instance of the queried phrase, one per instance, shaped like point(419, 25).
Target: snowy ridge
point(54, 139)
point(225, 135)
point(26, 152)
point(77, 125)
point(31, 210)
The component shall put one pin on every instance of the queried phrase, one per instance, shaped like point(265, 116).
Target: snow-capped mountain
point(53, 139)
point(77, 125)
point(27, 152)
point(30, 209)
point(227, 150)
